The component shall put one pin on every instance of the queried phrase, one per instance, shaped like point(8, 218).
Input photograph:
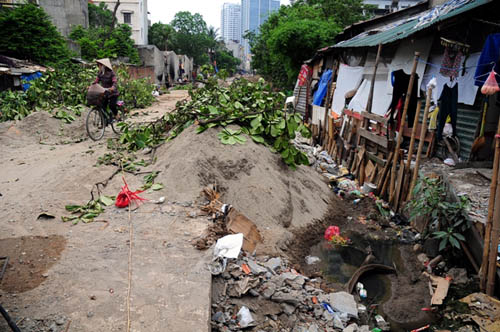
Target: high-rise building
point(253, 14)
point(231, 22)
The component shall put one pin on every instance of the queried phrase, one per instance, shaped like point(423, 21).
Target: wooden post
point(423, 131)
point(370, 95)
point(403, 121)
point(407, 176)
point(491, 205)
point(495, 225)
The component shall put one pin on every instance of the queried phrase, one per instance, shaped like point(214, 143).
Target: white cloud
point(165, 10)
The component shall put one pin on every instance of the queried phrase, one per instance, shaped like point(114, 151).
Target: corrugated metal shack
point(14, 71)
point(363, 104)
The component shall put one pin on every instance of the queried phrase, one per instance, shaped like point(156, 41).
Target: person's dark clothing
point(111, 101)
point(400, 88)
point(108, 80)
point(449, 100)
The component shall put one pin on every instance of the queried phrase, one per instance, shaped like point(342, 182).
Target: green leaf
point(157, 186)
point(439, 235)
point(258, 139)
point(106, 200)
point(256, 122)
point(275, 132)
point(201, 129)
point(73, 208)
point(459, 236)
point(443, 243)
point(238, 105)
point(454, 242)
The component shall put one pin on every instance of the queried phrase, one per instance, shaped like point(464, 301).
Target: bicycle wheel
point(115, 125)
point(95, 124)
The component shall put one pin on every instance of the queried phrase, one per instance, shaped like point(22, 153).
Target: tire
point(114, 124)
point(95, 124)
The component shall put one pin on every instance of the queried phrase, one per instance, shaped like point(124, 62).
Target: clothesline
point(492, 64)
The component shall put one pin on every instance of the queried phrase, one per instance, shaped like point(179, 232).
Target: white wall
point(139, 19)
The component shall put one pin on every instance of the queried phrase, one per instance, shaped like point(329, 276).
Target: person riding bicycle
point(107, 79)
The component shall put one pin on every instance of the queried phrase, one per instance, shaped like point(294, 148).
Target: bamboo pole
point(495, 228)
point(491, 205)
point(421, 142)
point(410, 151)
point(403, 121)
point(372, 86)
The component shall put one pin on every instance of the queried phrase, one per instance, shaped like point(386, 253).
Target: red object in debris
point(314, 299)
point(126, 196)
point(331, 231)
point(423, 328)
point(305, 72)
point(245, 268)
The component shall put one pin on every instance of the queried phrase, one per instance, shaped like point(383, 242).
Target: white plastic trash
point(229, 246)
point(244, 317)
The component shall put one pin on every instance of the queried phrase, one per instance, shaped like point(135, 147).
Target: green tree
point(159, 34)
point(344, 12)
point(97, 42)
point(26, 32)
point(226, 60)
point(190, 37)
point(100, 16)
point(294, 34)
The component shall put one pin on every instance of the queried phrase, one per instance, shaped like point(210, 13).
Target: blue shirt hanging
point(322, 88)
point(490, 53)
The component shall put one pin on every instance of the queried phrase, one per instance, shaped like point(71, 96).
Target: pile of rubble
point(265, 294)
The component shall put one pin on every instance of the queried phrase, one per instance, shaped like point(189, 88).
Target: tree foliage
point(96, 41)
point(26, 32)
point(190, 37)
point(226, 60)
point(294, 34)
point(100, 16)
point(159, 35)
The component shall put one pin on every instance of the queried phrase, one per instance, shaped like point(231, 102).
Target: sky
point(165, 10)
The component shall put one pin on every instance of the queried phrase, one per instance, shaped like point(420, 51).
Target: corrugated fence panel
point(301, 104)
point(468, 119)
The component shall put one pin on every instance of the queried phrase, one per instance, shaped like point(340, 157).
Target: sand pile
point(43, 127)
point(251, 178)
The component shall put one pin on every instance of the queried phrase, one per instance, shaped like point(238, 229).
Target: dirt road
point(62, 275)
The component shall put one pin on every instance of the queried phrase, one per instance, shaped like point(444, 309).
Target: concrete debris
point(458, 276)
point(351, 328)
point(278, 298)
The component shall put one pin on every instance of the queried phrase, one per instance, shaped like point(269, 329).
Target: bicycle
point(98, 119)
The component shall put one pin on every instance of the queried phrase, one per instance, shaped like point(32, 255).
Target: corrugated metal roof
point(407, 27)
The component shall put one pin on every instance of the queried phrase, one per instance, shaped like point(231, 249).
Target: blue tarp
point(320, 94)
point(29, 77)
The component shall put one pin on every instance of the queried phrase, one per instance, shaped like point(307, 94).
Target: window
point(127, 18)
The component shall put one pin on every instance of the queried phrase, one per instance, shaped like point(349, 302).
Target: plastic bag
point(245, 317)
point(490, 87)
point(126, 196)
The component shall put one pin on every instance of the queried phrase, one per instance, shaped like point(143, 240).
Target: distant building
point(253, 14)
point(231, 22)
point(388, 6)
point(64, 14)
point(133, 13)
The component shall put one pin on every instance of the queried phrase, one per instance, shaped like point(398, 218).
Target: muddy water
point(338, 264)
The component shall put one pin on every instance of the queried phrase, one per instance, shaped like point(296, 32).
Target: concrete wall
point(171, 66)
point(66, 14)
point(188, 66)
point(139, 17)
point(151, 56)
point(141, 72)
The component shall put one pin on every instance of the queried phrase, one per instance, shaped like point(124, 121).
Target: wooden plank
point(376, 159)
point(380, 140)
point(375, 117)
point(369, 170)
point(353, 114)
point(384, 173)
point(373, 176)
point(399, 185)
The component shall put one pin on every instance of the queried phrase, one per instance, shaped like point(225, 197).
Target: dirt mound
point(251, 178)
point(44, 128)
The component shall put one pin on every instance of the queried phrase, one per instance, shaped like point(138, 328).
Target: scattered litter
point(229, 246)
point(245, 317)
point(382, 324)
point(45, 215)
point(125, 197)
point(238, 223)
point(310, 260)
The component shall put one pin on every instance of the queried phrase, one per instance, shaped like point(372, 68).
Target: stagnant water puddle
point(338, 264)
